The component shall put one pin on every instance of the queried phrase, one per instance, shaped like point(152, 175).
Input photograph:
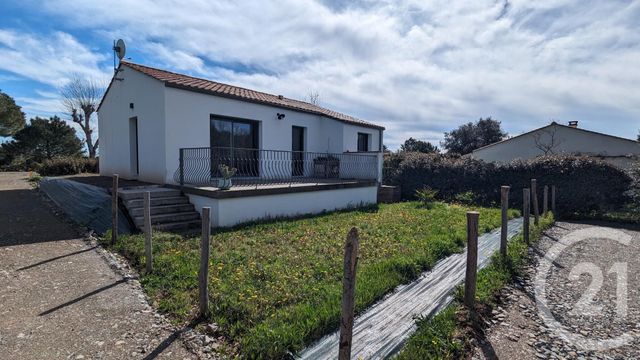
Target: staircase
point(170, 210)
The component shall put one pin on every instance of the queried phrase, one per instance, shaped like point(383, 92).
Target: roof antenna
point(119, 50)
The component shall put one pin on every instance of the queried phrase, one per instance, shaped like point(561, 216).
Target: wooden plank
point(534, 199)
point(526, 213)
point(545, 200)
point(148, 249)
point(114, 210)
point(348, 294)
point(472, 260)
point(203, 275)
point(504, 200)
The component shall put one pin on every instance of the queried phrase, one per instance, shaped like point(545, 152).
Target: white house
point(562, 139)
point(292, 157)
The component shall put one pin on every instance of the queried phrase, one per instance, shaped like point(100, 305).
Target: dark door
point(297, 146)
point(133, 145)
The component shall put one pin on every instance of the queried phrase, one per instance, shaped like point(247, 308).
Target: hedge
point(583, 184)
point(67, 166)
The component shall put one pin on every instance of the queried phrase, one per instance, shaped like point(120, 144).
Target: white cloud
point(419, 68)
point(48, 59)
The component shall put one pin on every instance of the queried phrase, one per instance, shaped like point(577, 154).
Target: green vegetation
point(427, 197)
point(39, 141)
point(68, 165)
point(11, 116)
point(34, 178)
point(276, 286)
point(584, 184)
point(445, 336)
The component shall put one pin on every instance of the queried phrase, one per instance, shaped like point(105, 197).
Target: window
point(234, 142)
point(363, 142)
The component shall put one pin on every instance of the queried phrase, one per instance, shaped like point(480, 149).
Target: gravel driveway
point(59, 296)
point(591, 293)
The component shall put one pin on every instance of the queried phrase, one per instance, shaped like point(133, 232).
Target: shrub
point(583, 184)
point(465, 198)
point(68, 166)
point(427, 197)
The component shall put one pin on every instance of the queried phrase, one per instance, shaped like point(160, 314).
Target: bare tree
point(314, 98)
point(547, 141)
point(81, 97)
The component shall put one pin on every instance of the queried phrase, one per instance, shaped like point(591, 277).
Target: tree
point(546, 141)
point(413, 145)
point(314, 98)
point(470, 136)
point(80, 98)
point(42, 139)
point(11, 116)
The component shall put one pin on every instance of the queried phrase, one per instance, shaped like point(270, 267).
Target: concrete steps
point(162, 209)
point(170, 210)
point(162, 201)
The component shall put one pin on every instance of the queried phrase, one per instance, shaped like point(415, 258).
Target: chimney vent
point(573, 124)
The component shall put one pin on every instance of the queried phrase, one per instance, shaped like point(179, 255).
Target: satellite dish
point(120, 48)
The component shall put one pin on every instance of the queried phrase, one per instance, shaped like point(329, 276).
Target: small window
point(363, 142)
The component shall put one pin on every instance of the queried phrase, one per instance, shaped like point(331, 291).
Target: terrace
point(267, 172)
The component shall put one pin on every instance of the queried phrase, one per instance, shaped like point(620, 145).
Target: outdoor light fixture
point(280, 116)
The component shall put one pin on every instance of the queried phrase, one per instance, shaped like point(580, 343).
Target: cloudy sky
point(417, 67)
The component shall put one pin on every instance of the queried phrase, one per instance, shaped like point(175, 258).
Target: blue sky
point(420, 68)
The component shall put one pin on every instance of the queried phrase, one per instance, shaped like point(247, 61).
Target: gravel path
point(60, 297)
point(519, 330)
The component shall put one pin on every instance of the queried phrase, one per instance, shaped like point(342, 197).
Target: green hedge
point(67, 166)
point(583, 184)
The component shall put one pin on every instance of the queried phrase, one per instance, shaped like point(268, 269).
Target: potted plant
point(227, 173)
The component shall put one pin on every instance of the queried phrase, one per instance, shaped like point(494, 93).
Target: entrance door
point(297, 146)
point(133, 145)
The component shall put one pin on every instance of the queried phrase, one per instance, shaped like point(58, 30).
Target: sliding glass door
point(234, 142)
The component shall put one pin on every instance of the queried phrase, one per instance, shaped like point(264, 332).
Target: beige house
point(557, 139)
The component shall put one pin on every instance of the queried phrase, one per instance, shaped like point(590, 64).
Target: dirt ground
point(60, 297)
point(582, 270)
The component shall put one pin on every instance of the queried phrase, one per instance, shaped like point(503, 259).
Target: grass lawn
point(276, 286)
point(446, 335)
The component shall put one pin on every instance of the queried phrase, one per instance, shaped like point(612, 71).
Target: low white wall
point(233, 211)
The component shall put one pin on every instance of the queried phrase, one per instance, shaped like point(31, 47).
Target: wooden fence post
point(148, 249)
point(203, 275)
point(114, 210)
point(553, 200)
point(534, 199)
point(348, 294)
point(472, 260)
point(504, 199)
point(545, 200)
point(526, 214)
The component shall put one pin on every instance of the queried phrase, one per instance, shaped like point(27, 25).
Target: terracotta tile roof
point(191, 83)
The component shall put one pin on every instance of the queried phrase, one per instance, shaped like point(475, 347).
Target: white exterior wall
point(350, 138)
point(187, 125)
point(570, 141)
point(233, 211)
point(115, 147)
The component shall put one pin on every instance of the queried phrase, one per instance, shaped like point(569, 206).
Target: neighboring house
point(292, 157)
point(562, 139)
